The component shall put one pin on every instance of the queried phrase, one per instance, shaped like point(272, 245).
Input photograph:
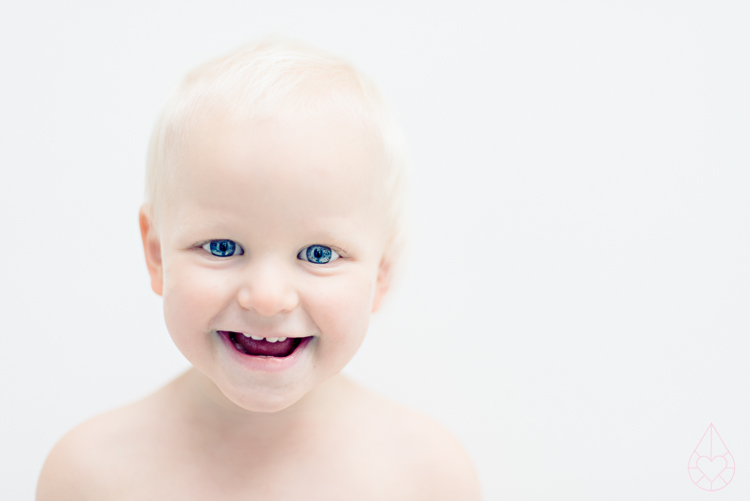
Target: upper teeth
point(269, 339)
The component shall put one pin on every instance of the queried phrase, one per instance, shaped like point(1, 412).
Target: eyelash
point(305, 254)
point(330, 255)
point(236, 249)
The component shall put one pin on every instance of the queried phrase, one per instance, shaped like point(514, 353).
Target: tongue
point(263, 347)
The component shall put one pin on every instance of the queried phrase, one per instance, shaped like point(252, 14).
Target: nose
point(268, 289)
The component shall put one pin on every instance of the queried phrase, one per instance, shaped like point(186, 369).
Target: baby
point(271, 230)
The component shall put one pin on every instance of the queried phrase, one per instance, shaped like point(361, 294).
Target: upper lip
point(249, 333)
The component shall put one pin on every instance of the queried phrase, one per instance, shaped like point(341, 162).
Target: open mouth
point(278, 347)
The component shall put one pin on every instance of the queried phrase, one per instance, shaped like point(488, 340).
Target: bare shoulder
point(432, 462)
point(97, 456)
point(77, 466)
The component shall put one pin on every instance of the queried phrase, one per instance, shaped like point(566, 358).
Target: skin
point(229, 430)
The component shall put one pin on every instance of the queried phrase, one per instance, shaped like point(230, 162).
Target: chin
point(264, 400)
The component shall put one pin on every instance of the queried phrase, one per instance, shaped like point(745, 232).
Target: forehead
point(279, 168)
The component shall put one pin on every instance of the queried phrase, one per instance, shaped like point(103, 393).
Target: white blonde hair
point(277, 77)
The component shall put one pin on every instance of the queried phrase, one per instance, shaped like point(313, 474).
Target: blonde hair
point(276, 77)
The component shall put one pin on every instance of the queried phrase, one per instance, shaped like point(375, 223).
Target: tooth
point(257, 338)
point(246, 335)
point(282, 339)
point(272, 339)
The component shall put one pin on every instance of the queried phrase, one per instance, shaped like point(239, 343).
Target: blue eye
point(223, 248)
point(318, 254)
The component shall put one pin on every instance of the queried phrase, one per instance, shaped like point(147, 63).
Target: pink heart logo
point(711, 465)
point(711, 468)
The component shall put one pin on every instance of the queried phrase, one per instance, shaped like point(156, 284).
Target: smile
point(259, 346)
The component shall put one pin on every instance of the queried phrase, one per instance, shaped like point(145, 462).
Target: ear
point(383, 282)
point(151, 248)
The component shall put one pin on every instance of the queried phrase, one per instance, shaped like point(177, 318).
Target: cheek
point(340, 307)
point(192, 296)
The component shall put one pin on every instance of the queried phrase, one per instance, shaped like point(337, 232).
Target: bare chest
point(338, 468)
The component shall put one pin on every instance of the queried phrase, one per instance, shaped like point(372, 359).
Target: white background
point(575, 303)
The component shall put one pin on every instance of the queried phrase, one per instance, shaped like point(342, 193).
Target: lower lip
point(265, 364)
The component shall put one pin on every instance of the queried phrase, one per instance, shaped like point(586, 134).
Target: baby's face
point(270, 230)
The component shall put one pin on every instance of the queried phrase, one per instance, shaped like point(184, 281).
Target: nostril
point(267, 302)
point(243, 298)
